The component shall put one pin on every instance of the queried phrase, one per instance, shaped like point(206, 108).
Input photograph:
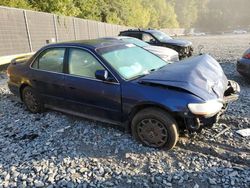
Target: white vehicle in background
point(239, 32)
point(164, 53)
point(199, 34)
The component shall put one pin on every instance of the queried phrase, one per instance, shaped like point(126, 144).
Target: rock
point(233, 174)
point(101, 171)
point(38, 183)
point(83, 169)
point(7, 177)
point(212, 181)
point(232, 182)
point(51, 178)
point(109, 184)
point(129, 181)
point(168, 184)
point(116, 151)
point(169, 178)
point(158, 178)
point(196, 185)
point(70, 185)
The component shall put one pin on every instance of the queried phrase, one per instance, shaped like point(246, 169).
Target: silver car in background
point(164, 53)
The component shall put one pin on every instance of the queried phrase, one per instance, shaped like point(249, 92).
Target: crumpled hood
point(201, 75)
point(163, 52)
point(178, 42)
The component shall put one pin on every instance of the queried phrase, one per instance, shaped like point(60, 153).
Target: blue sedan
point(123, 84)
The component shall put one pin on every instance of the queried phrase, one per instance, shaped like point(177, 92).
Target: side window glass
point(147, 38)
point(135, 35)
point(82, 63)
point(51, 60)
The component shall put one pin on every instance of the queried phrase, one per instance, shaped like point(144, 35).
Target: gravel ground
point(58, 150)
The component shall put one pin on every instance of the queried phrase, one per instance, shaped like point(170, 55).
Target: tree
point(60, 7)
point(223, 15)
point(90, 9)
point(187, 12)
point(16, 3)
point(139, 13)
point(162, 14)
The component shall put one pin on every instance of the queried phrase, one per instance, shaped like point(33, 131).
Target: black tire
point(32, 100)
point(154, 127)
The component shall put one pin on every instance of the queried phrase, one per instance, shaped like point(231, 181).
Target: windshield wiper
point(144, 74)
point(138, 76)
point(152, 70)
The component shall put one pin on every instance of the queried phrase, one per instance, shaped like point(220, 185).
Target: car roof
point(118, 38)
point(139, 30)
point(92, 44)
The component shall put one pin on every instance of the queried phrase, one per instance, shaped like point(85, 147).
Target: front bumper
point(197, 123)
point(186, 52)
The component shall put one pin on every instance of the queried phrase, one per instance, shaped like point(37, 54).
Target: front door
point(85, 93)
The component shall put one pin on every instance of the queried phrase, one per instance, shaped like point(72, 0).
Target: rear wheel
point(155, 128)
point(32, 100)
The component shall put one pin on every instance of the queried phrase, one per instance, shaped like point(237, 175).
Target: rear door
point(48, 77)
point(85, 93)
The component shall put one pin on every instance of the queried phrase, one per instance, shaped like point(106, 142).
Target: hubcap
point(30, 101)
point(152, 132)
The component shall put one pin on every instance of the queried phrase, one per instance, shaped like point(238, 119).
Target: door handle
point(70, 87)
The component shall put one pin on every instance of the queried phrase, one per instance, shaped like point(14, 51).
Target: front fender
point(172, 100)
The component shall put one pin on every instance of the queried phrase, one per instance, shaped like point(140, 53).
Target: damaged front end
point(197, 123)
point(202, 77)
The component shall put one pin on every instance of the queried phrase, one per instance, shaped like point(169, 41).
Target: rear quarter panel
point(18, 75)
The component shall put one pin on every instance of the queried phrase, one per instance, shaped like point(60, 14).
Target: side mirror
point(101, 75)
point(152, 41)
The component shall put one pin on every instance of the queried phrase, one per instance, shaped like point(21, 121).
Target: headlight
point(208, 108)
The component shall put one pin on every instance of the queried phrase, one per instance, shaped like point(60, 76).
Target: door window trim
point(156, 40)
point(65, 63)
point(152, 36)
point(42, 53)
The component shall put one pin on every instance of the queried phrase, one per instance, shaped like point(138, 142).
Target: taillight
point(247, 56)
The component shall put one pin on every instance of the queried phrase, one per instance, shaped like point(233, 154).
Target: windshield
point(132, 62)
point(135, 41)
point(160, 35)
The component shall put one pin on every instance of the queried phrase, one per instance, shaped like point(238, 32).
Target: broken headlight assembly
point(209, 108)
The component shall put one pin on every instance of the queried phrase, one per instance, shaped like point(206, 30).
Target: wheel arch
point(142, 106)
point(23, 85)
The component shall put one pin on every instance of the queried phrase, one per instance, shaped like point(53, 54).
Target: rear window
point(132, 34)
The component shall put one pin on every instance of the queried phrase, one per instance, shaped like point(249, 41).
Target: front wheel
point(31, 100)
point(155, 128)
